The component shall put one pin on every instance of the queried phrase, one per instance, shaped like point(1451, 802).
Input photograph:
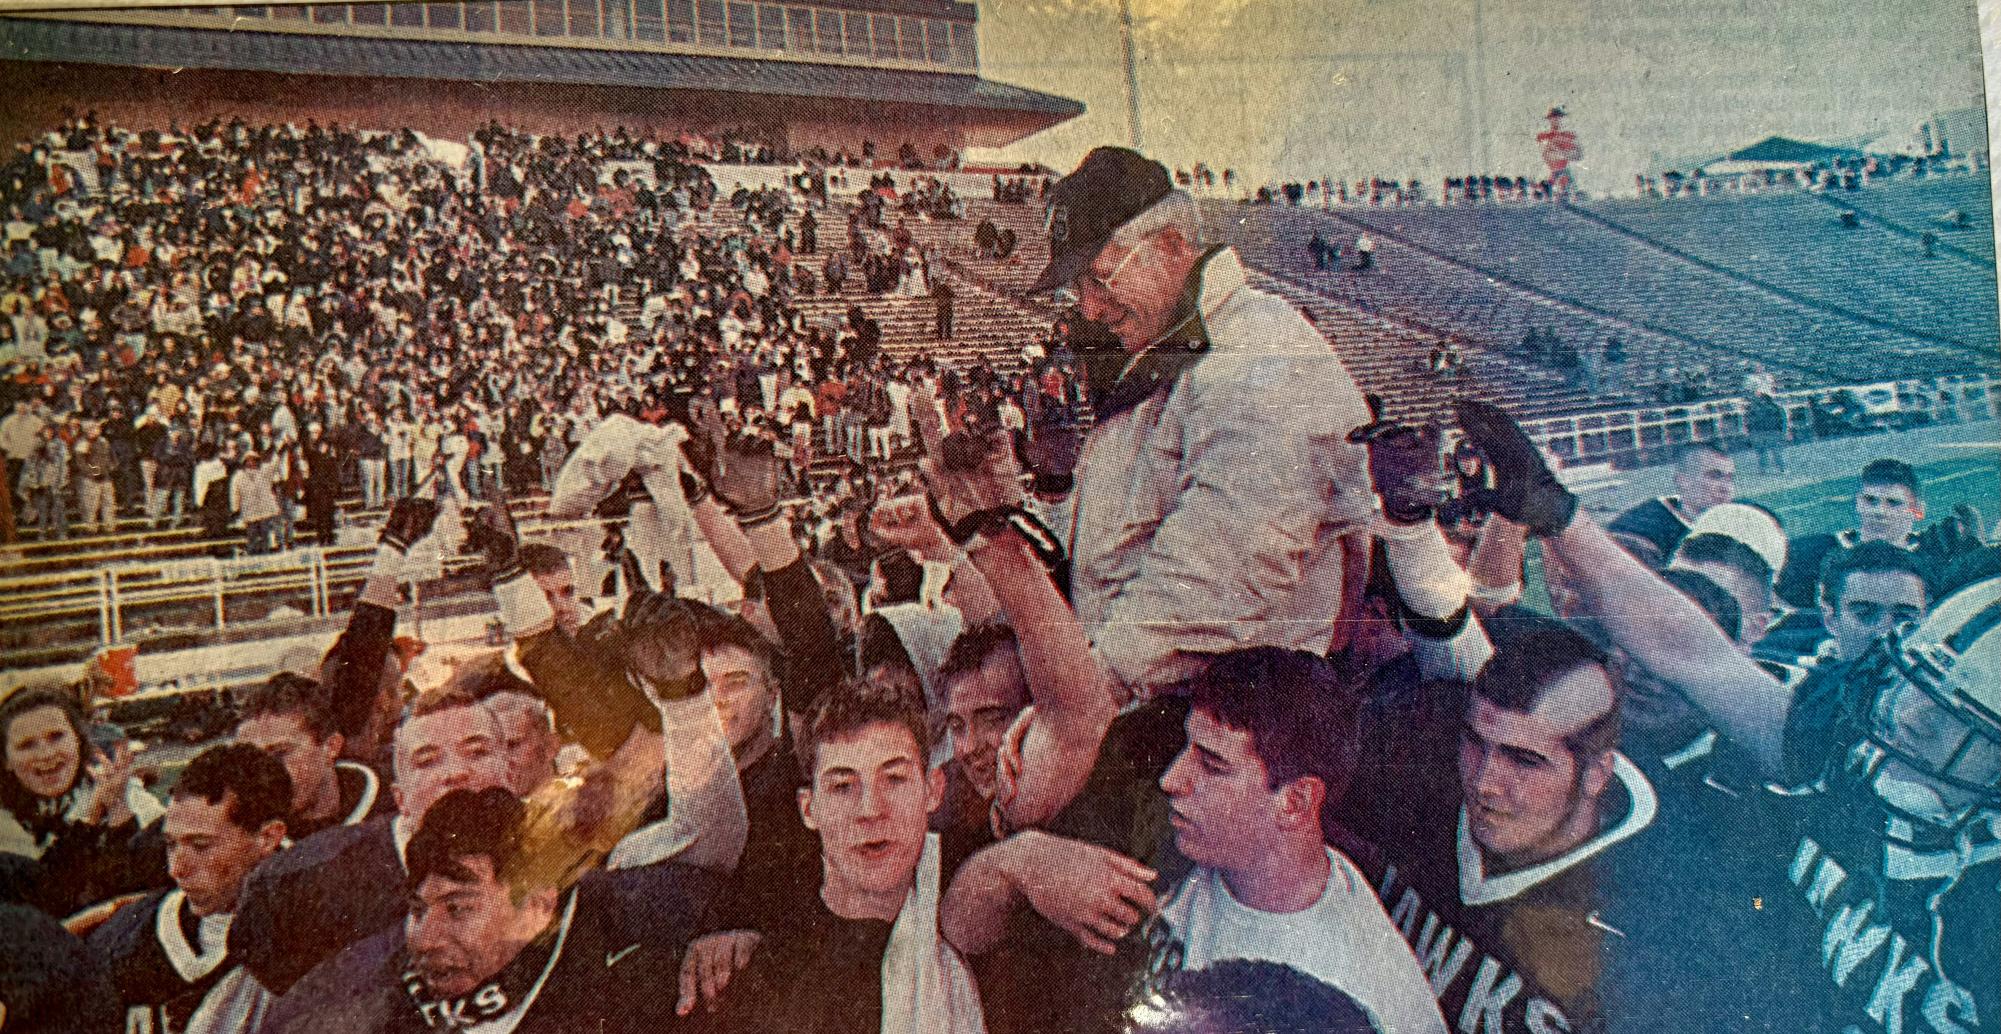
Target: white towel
point(926, 988)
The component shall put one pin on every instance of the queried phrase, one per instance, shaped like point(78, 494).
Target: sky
point(1285, 89)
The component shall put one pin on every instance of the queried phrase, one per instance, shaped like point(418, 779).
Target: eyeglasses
point(1104, 283)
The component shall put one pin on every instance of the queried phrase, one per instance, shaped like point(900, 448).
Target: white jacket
point(1209, 516)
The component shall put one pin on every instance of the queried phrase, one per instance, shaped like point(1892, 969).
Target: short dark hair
point(542, 558)
point(1887, 471)
point(1703, 591)
point(291, 694)
point(880, 644)
point(1711, 547)
point(15, 797)
point(727, 630)
point(479, 677)
point(1299, 709)
point(445, 698)
point(1240, 995)
point(465, 824)
point(853, 705)
point(1866, 557)
point(902, 577)
point(975, 645)
point(253, 783)
point(1531, 653)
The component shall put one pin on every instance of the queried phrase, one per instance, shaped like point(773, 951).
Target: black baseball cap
point(1110, 187)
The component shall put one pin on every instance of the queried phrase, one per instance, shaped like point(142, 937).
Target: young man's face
point(530, 747)
point(1754, 597)
point(1886, 513)
point(1706, 480)
point(984, 702)
point(309, 761)
point(740, 683)
point(1872, 603)
point(1527, 797)
point(1221, 802)
point(871, 800)
point(208, 855)
point(457, 748)
point(463, 933)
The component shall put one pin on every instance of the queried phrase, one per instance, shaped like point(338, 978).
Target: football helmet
point(1926, 702)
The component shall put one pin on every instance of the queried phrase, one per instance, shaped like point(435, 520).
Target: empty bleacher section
point(1468, 266)
point(1911, 207)
point(1795, 245)
point(1434, 296)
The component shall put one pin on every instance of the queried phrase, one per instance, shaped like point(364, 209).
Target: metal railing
point(310, 579)
point(1637, 437)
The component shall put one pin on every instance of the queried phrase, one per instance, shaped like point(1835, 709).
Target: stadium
point(275, 271)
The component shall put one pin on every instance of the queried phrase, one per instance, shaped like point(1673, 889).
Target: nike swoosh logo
point(611, 958)
point(1594, 919)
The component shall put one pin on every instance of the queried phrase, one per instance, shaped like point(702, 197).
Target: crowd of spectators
point(1242, 716)
point(235, 326)
point(1017, 190)
point(1378, 192)
point(1835, 174)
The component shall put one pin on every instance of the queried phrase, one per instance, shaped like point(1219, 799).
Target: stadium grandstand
point(563, 270)
point(1886, 319)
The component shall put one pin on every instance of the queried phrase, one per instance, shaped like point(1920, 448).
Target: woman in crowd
point(79, 820)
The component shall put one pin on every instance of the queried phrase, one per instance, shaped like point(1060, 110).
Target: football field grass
point(1949, 474)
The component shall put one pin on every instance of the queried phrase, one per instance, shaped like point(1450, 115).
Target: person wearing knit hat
point(1741, 547)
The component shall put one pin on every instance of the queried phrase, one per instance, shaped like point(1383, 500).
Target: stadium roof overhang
point(991, 113)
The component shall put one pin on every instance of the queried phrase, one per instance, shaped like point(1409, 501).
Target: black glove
point(491, 531)
point(1050, 457)
point(632, 572)
point(409, 520)
point(706, 435)
point(619, 502)
point(746, 478)
point(1407, 468)
point(1523, 489)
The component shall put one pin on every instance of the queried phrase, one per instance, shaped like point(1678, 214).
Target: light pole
point(1132, 74)
point(1480, 85)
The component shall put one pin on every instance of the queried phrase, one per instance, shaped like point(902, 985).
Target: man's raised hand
point(409, 520)
point(747, 476)
point(1523, 488)
point(905, 522)
point(973, 471)
point(1407, 467)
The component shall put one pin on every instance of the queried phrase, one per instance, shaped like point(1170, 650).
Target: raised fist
point(747, 478)
point(409, 520)
point(1522, 488)
point(490, 530)
point(1407, 467)
point(973, 471)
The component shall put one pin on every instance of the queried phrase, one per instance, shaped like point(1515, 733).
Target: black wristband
point(694, 487)
point(756, 518)
point(1436, 629)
